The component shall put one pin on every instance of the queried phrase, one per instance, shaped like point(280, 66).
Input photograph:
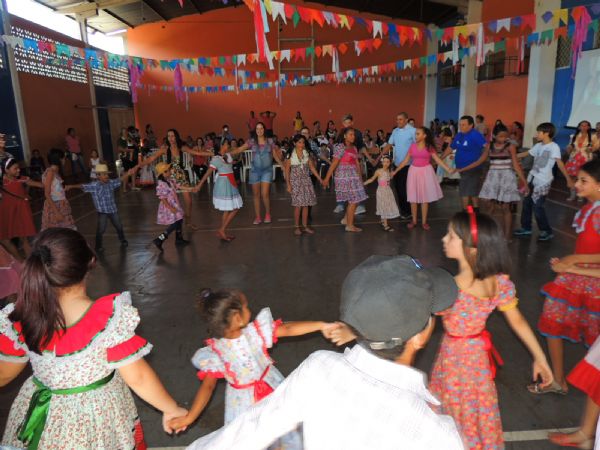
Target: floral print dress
point(90, 350)
point(167, 190)
point(245, 364)
point(462, 375)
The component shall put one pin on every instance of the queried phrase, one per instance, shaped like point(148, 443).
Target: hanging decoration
point(582, 23)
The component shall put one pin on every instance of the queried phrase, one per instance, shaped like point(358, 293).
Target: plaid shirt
point(103, 194)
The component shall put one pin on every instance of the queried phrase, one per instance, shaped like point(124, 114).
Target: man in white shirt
point(369, 397)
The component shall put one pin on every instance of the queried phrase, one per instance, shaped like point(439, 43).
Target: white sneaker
point(339, 209)
point(360, 209)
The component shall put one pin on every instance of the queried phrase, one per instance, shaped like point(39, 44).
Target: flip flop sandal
point(388, 228)
point(554, 388)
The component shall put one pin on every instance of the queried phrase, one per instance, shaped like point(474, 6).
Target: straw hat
point(162, 167)
point(102, 168)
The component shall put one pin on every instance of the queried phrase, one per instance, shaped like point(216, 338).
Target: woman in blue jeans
point(264, 150)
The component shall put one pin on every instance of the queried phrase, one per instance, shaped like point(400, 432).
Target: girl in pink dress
point(580, 149)
point(462, 377)
point(422, 185)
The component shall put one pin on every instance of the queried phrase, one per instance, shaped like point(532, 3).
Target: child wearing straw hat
point(103, 195)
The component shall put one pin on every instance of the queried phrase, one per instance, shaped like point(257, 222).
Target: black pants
point(175, 226)
point(400, 183)
point(101, 227)
point(199, 170)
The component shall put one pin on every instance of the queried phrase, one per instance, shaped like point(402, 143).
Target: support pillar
point(84, 37)
point(468, 84)
point(540, 82)
point(16, 85)
point(430, 81)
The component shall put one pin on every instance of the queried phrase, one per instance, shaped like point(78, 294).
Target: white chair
point(275, 167)
point(246, 163)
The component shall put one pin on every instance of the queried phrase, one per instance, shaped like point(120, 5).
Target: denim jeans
point(538, 209)
point(101, 228)
point(77, 163)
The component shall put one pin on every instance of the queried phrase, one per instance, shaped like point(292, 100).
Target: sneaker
point(339, 209)
point(268, 218)
point(521, 232)
point(257, 221)
point(544, 236)
point(360, 209)
point(158, 242)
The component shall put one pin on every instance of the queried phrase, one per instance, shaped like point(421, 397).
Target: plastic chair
point(246, 163)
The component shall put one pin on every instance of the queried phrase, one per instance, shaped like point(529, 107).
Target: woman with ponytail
point(84, 353)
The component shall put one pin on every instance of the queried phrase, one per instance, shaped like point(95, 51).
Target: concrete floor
point(300, 279)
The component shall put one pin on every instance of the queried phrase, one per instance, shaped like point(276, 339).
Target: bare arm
point(563, 170)
point(9, 371)
point(288, 329)
point(287, 168)
point(440, 162)
point(483, 158)
point(33, 183)
point(402, 165)
point(150, 159)
point(373, 178)
point(142, 379)
point(195, 151)
point(313, 170)
point(206, 175)
point(332, 168)
point(522, 329)
point(524, 154)
point(47, 193)
point(240, 149)
point(516, 166)
point(203, 396)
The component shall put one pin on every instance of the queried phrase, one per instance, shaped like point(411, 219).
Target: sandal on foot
point(353, 229)
point(308, 230)
point(257, 221)
point(388, 228)
point(192, 226)
point(298, 231)
point(576, 439)
point(411, 225)
point(426, 227)
point(554, 388)
point(223, 237)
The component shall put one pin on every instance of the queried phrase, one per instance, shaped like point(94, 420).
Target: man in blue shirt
point(401, 139)
point(103, 196)
point(471, 152)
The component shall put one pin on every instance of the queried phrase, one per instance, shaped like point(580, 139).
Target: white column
point(16, 85)
point(540, 82)
point(90, 79)
point(431, 80)
point(468, 84)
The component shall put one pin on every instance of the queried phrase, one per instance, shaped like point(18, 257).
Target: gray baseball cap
point(389, 299)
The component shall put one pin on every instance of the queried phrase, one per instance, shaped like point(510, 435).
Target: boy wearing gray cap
point(369, 396)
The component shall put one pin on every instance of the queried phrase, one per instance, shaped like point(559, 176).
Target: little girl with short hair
point(386, 203)
point(422, 185)
point(237, 352)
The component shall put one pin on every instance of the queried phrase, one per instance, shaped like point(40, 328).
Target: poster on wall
point(586, 93)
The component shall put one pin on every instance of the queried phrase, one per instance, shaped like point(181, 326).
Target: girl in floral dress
point(57, 210)
point(572, 305)
point(348, 177)
point(298, 167)
point(237, 352)
point(580, 149)
point(170, 211)
point(16, 220)
point(386, 203)
point(462, 377)
point(226, 196)
point(84, 353)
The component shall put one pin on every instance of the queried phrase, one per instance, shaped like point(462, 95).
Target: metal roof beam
point(154, 10)
point(120, 19)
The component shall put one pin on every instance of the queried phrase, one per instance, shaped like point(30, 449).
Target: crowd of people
point(86, 355)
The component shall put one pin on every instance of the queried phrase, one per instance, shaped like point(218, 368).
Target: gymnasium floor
point(299, 278)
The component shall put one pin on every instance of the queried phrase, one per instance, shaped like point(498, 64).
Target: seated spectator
point(369, 397)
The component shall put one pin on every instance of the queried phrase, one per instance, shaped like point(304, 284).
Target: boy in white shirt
point(545, 154)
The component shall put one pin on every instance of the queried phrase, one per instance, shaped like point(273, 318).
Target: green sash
point(30, 431)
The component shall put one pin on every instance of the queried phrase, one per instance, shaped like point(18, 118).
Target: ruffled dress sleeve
point(338, 151)
point(216, 163)
point(267, 327)
point(123, 346)
point(12, 347)
point(208, 363)
point(507, 296)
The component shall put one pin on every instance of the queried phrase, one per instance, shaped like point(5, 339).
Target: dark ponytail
point(60, 258)
point(217, 307)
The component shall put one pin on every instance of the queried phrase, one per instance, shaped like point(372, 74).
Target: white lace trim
point(581, 226)
point(6, 328)
point(146, 349)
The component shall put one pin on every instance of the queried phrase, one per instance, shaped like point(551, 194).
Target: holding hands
point(173, 420)
point(339, 333)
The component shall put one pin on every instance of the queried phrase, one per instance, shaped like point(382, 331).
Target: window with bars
point(498, 65)
point(46, 64)
point(563, 52)
point(450, 77)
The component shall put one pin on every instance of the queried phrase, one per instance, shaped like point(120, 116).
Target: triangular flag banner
point(504, 24)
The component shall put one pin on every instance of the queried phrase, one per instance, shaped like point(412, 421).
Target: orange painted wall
point(505, 98)
point(231, 31)
point(49, 103)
